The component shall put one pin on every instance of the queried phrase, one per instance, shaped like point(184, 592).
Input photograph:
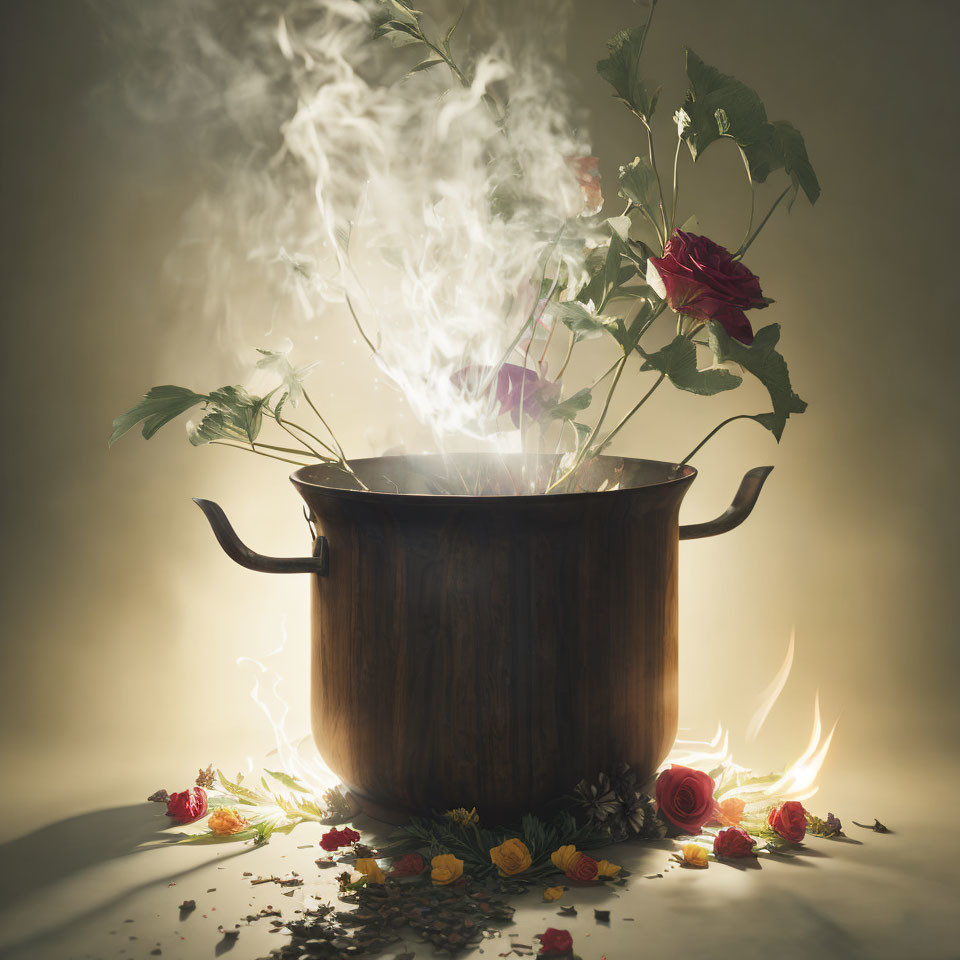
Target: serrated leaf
point(288, 781)
point(718, 105)
point(159, 406)
point(678, 360)
point(249, 833)
point(638, 183)
point(580, 319)
point(621, 70)
point(232, 414)
point(767, 365)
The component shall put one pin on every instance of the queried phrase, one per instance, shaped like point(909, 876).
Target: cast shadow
point(59, 850)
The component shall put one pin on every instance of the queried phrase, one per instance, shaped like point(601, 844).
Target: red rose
point(555, 943)
point(409, 866)
point(702, 280)
point(733, 843)
point(584, 868)
point(187, 806)
point(334, 839)
point(685, 797)
point(789, 821)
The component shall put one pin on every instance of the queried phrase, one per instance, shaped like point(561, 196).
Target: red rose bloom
point(584, 868)
point(789, 821)
point(334, 839)
point(685, 797)
point(733, 843)
point(555, 943)
point(703, 281)
point(409, 866)
point(187, 806)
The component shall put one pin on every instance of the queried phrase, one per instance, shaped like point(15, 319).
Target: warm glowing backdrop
point(122, 620)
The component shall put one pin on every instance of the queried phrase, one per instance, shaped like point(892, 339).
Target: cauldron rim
point(305, 478)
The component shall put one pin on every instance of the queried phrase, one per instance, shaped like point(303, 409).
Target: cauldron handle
point(239, 552)
point(736, 513)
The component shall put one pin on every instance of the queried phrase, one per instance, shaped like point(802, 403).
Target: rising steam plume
point(342, 189)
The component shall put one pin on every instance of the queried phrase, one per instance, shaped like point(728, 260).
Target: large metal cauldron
point(490, 651)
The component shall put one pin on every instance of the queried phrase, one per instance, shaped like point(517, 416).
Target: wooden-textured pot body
point(491, 651)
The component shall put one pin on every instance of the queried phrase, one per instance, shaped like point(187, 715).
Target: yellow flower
point(553, 893)
point(511, 857)
point(565, 857)
point(463, 817)
point(225, 821)
point(370, 869)
point(607, 869)
point(445, 869)
point(694, 855)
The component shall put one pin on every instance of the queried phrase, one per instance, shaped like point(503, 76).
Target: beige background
point(122, 620)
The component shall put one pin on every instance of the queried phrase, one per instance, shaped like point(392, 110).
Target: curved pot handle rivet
point(240, 553)
point(736, 513)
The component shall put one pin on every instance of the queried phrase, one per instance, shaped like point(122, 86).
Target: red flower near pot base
point(187, 806)
point(733, 843)
point(789, 821)
point(555, 943)
point(408, 866)
point(702, 280)
point(334, 839)
point(584, 869)
point(685, 797)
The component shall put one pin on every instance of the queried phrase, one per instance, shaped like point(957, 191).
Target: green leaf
point(425, 65)
point(233, 414)
point(250, 833)
point(621, 70)
point(580, 319)
point(626, 336)
point(569, 408)
point(240, 791)
point(718, 105)
point(767, 365)
point(291, 783)
point(583, 434)
point(157, 408)
point(678, 360)
point(638, 183)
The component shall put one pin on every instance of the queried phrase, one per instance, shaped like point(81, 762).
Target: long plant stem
point(566, 359)
point(653, 163)
point(316, 453)
point(356, 320)
point(636, 407)
point(319, 416)
point(676, 188)
point(259, 453)
point(753, 236)
point(711, 434)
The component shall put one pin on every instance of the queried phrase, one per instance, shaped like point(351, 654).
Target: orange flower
point(565, 857)
point(445, 869)
point(511, 857)
point(370, 869)
point(226, 821)
point(607, 869)
point(694, 855)
point(553, 893)
point(730, 812)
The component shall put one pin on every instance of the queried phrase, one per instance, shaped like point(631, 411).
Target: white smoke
point(428, 208)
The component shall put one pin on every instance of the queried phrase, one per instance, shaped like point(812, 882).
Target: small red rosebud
point(733, 843)
point(789, 821)
point(555, 943)
point(187, 806)
point(584, 868)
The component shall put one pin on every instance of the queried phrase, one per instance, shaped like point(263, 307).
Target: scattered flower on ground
point(445, 869)
point(226, 821)
point(409, 866)
point(789, 821)
point(370, 869)
point(334, 839)
point(607, 869)
point(685, 797)
point(553, 893)
point(733, 843)
point(187, 806)
point(511, 857)
point(555, 943)
point(693, 855)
